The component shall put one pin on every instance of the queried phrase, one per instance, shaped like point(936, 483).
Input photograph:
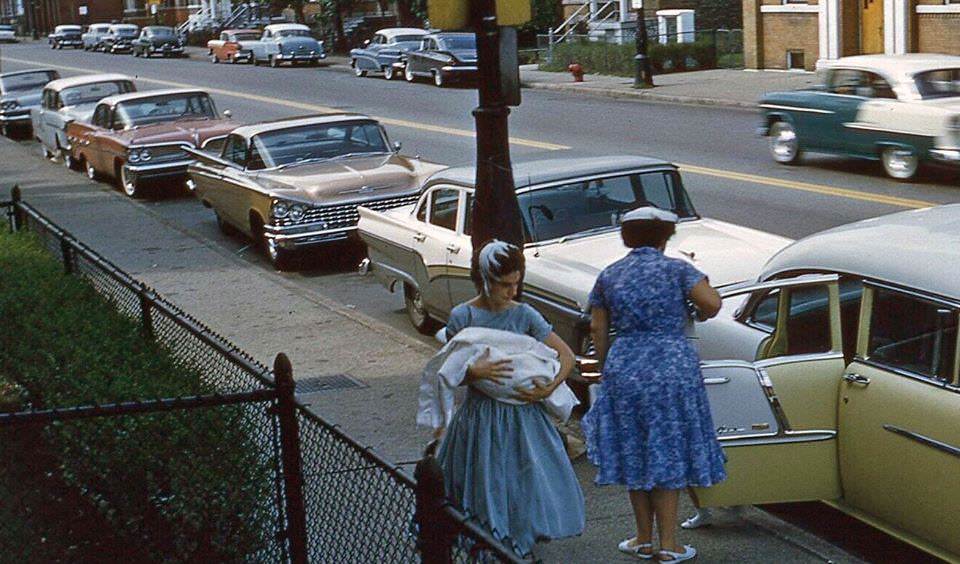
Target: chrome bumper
point(458, 69)
point(15, 118)
point(946, 155)
point(300, 236)
point(158, 170)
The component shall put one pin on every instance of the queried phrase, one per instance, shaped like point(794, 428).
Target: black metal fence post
point(67, 251)
point(292, 464)
point(434, 538)
point(146, 314)
point(17, 197)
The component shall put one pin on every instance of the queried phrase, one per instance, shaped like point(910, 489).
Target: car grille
point(346, 215)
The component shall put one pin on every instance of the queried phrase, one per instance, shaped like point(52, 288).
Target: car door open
point(776, 418)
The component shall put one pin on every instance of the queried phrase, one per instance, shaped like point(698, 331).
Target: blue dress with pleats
point(505, 464)
point(650, 426)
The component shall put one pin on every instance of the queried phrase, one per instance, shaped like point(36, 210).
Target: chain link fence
point(238, 470)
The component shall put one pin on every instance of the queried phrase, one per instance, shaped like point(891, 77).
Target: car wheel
point(215, 59)
point(357, 71)
point(784, 143)
point(389, 72)
point(44, 151)
point(274, 62)
point(900, 164)
point(408, 74)
point(92, 173)
point(69, 161)
point(53, 45)
point(438, 79)
point(416, 311)
point(129, 185)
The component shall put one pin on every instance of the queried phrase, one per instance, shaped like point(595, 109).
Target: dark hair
point(510, 261)
point(647, 233)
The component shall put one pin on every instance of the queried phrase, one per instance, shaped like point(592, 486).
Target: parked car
point(233, 46)
point(157, 40)
point(67, 100)
point(846, 384)
point(296, 183)
point(443, 57)
point(119, 38)
point(902, 110)
point(8, 34)
point(383, 53)
point(287, 43)
point(19, 93)
point(93, 37)
point(141, 137)
point(571, 211)
point(65, 36)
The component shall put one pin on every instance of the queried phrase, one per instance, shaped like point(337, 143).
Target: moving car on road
point(233, 46)
point(157, 40)
point(66, 36)
point(93, 38)
point(902, 110)
point(119, 38)
point(8, 34)
point(444, 58)
point(141, 137)
point(296, 183)
point(287, 43)
point(571, 210)
point(67, 100)
point(845, 386)
point(384, 52)
point(19, 93)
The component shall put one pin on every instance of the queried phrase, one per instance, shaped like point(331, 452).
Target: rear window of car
point(26, 81)
point(941, 83)
point(89, 93)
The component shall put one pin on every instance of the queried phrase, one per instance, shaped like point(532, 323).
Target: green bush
point(618, 60)
point(186, 485)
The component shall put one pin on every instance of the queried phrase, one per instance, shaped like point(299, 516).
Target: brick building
point(794, 34)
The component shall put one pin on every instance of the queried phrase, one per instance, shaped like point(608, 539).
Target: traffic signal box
point(455, 14)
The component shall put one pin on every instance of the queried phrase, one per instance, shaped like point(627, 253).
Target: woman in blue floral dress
point(650, 428)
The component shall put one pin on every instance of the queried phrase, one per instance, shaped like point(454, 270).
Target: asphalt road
point(726, 169)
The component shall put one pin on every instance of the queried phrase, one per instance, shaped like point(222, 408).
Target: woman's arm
point(706, 298)
point(600, 333)
point(567, 362)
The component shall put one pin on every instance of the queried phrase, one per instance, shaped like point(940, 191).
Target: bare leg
point(665, 508)
point(643, 514)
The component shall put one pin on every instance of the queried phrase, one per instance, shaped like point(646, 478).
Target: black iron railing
point(301, 491)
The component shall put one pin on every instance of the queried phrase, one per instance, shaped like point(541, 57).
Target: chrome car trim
point(947, 155)
point(871, 127)
point(921, 378)
point(932, 298)
point(270, 234)
point(180, 144)
point(924, 440)
point(802, 280)
point(157, 166)
point(809, 357)
point(810, 436)
point(454, 68)
point(795, 109)
point(22, 117)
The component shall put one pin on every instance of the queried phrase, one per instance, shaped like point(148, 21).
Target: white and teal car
point(902, 110)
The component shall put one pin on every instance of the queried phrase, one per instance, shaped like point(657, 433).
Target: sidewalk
point(264, 312)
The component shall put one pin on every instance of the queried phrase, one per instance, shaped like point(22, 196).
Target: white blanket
point(532, 363)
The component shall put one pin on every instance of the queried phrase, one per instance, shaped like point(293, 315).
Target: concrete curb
point(645, 95)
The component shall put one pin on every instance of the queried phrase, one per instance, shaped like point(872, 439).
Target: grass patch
point(618, 60)
point(189, 485)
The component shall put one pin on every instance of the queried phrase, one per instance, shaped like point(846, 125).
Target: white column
point(829, 29)
point(594, 8)
point(895, 26)
point(624, 11)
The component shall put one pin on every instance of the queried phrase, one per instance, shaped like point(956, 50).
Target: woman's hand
point(485, 369)
point(538, 392)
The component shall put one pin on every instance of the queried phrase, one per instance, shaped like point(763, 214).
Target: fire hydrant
point(577, 71)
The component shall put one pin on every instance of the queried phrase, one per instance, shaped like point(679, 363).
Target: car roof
point(541, 171)
point(72, 81)
point(28, 71)
point(916, 249)
point(67, 26)
point(283, 26)
point(395, 31)
point(116, 99)
point(444, 34)
point(903, 65)
point(151, 27)
point(241, 30)
point(253, 129)
point(124, 26)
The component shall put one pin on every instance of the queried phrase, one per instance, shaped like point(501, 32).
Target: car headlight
point(145, 155)
point(133, 157)
point(297, 213)
point(9, 105)
point(280, 209)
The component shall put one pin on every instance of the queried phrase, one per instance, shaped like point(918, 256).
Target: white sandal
point(689, 553)
point(634, 549)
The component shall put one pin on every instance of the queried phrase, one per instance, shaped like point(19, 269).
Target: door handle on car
point(453, 248)
point(420, 237)
point(853, 378)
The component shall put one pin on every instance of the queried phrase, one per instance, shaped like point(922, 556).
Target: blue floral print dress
point(650, 427)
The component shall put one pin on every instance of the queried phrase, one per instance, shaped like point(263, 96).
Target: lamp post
point(643, 78)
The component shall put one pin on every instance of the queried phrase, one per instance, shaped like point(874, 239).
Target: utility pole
point(643, 77)
point(496, 214)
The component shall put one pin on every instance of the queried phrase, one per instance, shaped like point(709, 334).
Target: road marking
point(807, 187)
point(688, 168)
point(310, 107)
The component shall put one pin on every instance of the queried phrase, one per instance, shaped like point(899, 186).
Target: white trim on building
point(790, 8)
point(938, 8)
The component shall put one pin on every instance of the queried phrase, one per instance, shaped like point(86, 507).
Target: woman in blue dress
point(650, 427)
point(505, 464)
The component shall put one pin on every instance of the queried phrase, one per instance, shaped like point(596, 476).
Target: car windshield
point(293, 33)
point(598, 204)
point(71, 29)
point(407, 38)
point(247, 36)
point(90, 93)
point(318, 142)
point(25, 81)
point(458, 43)
point(161, 32)
point(940, 83)
point(145, 111)
point(125, 31)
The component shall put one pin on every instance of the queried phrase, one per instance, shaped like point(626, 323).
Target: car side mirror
point(227, 114)
point(396, 146)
